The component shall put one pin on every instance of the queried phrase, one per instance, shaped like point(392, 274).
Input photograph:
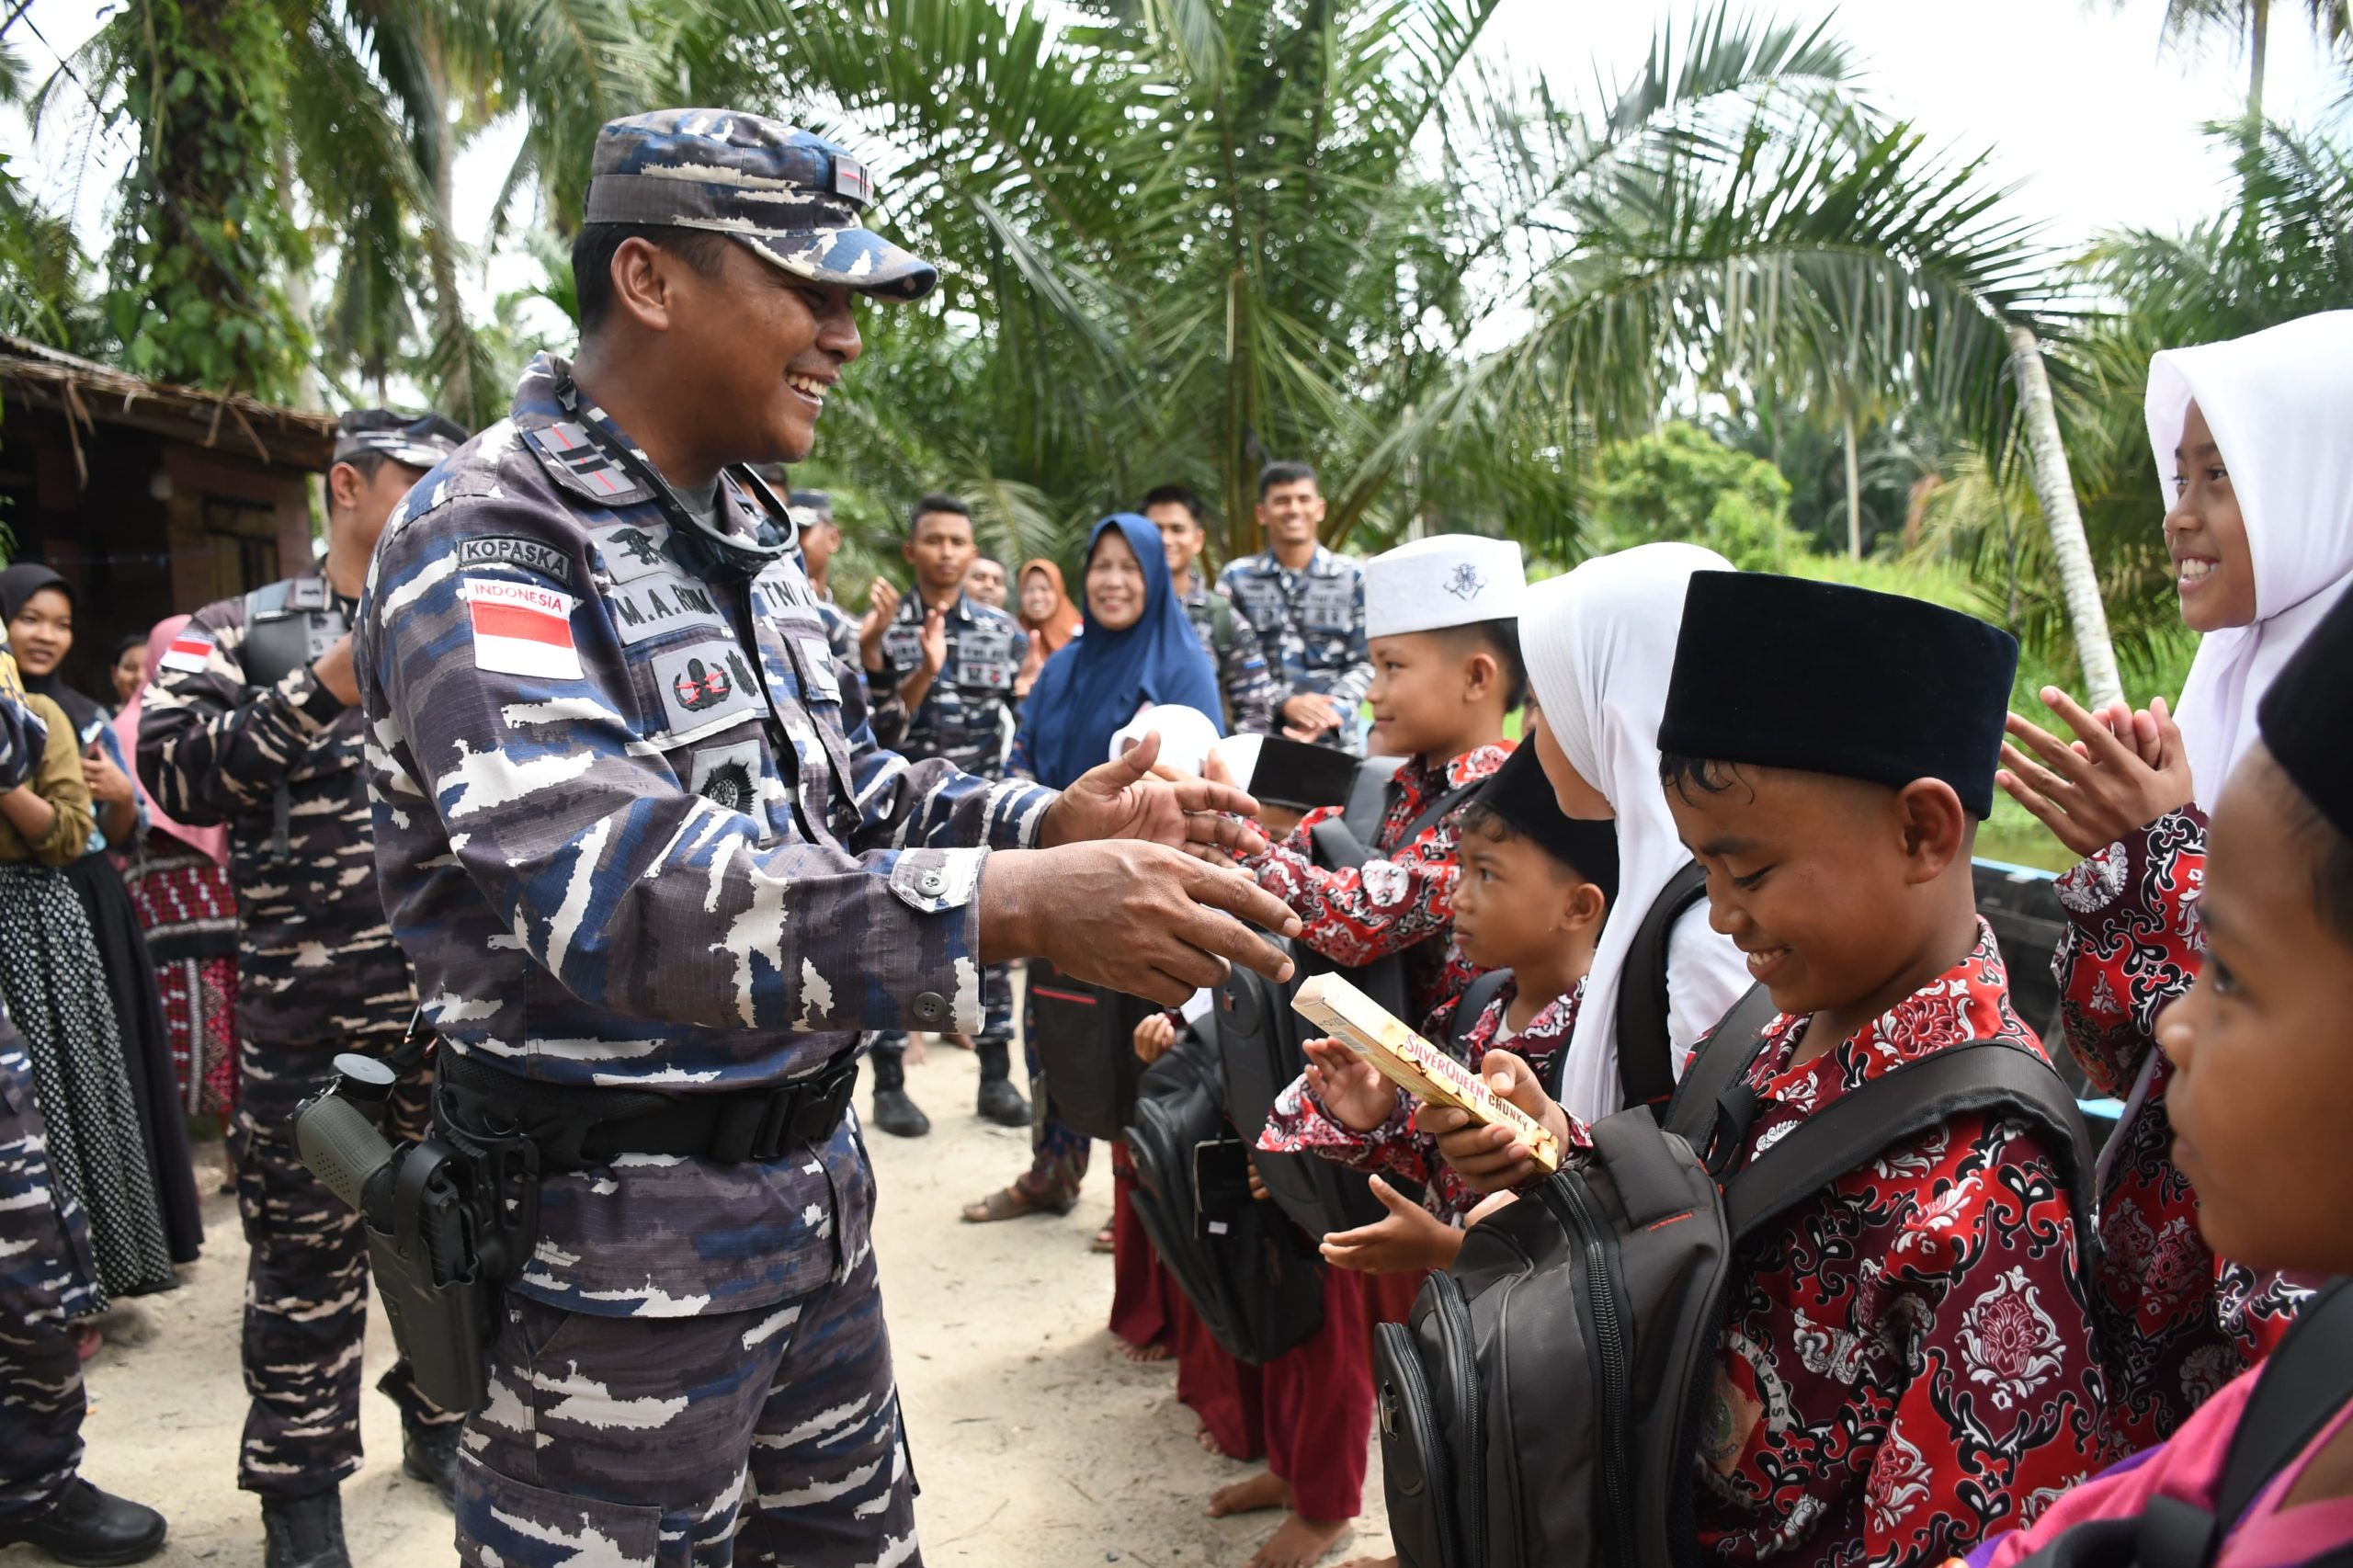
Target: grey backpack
point(1542, 1405)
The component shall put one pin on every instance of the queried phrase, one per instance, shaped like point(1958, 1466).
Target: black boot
point(430, 1454)
point(1000, 1101)
point(894, 1113)
point(87, 1526)
point(304, 1533)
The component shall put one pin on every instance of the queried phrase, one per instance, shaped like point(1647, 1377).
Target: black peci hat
point(1782, 672)
point(1520, 794)
point(2307, 717)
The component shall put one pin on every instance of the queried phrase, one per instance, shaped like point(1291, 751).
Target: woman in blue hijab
point(1139, 648)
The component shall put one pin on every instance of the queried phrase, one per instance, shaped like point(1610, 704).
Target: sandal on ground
point(1012, 1203)
point(1103, 1241)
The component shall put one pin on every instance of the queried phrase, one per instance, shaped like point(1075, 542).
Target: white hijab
point(1599, 645)
point(2280, 404)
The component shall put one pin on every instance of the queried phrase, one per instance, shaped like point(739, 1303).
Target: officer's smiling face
point(772, 346)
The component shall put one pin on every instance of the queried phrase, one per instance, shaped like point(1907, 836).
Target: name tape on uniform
point(521, 629)
point(189, 651)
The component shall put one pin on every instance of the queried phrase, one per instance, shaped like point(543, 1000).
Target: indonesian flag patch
point(521, 629)
point(189, 651)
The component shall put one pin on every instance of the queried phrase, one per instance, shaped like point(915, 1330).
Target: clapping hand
point(2123, 772)
point(1124, 800)
point(1409, 1237)
point(881, 609)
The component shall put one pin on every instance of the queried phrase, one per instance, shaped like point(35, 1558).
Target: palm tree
point(2189, 25)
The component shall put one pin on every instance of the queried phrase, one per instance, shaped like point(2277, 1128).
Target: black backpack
point(1261, 1036)
point(2302, 1388)
point(1255, 1281)
point(1084, 1037)
point(1602, 1291)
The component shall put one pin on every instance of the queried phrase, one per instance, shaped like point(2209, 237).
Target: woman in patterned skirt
point(55, 987)
point(179, 883)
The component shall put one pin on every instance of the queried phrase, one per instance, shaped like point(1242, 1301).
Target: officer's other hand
point(934, 641)
point(333, 671)
point(1490, 1158)
point(1123, 799)
point(1155, 1037)
point(1142, 919)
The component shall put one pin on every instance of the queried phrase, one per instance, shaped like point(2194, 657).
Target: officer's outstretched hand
point(1142, 919)
point(1124, 800)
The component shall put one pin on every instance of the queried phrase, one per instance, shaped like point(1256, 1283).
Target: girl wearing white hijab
point(1600, 644)
point(2250, 437)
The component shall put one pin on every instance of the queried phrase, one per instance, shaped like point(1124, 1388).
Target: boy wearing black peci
point(1905, 1363)
point(1535, 887)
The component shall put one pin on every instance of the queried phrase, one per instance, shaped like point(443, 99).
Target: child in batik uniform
point(1534, 890)
point(2261, 1062)
point(2260, 523)
point(1907, 1362)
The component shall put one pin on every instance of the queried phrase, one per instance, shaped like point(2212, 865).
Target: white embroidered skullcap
point(1446, 580)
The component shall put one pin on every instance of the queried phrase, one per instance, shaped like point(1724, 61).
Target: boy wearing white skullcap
point(1439, 619)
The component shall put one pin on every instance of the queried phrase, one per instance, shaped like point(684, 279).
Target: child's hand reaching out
point(1411, 1237)
point(1352, 1090)
point(1490, 1159)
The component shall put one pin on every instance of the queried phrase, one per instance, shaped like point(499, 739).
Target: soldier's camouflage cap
point(406, 438)
point(793, 198)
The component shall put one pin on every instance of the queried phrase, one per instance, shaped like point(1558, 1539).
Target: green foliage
point(1683, 483)
point(203, 235)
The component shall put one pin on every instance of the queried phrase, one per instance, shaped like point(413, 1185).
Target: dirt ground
point(1035, 1441)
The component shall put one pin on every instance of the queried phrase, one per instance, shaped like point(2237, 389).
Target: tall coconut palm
point(2190, 25)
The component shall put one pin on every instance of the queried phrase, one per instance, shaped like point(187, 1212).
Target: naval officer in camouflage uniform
point(254, 720)
point(48, 1276)
point(657, 878)
point(949, 661)
point(1307, 605)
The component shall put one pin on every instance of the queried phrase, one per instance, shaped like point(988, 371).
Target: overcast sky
point(2081, 111)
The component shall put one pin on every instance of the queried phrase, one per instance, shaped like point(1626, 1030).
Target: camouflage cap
point(406, 438)
point(793, 198)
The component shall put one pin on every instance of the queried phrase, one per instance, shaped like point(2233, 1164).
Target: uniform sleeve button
point(930, 884)
point(931, 1006)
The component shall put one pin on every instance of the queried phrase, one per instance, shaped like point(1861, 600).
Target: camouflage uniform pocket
point(501, 1523)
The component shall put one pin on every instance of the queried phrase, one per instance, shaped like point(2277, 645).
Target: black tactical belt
point(574, 1127)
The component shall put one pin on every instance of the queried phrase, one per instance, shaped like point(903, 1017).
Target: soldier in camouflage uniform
point(48, 1276)
point(656, 878)
point(1307, 605)
point(949, 660)
point(254, 720)
point(1231, 641)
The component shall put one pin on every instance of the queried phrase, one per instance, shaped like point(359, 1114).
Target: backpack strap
point(1710, 1109)
point(1860, 1123)
point(1220, 625)
point(2303, 1385)
point(1646, 1044)
point(1347, 840)
point(1470, 1006)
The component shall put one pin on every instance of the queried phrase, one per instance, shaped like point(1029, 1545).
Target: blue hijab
point(1093, 684)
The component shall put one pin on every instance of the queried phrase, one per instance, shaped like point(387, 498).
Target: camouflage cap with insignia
point(793, 198)
point(405, 438)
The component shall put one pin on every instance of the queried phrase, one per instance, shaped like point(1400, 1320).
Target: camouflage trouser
point(767, 1437)
point(306, 1281)
point(996, 1014)
point(47, 1276)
